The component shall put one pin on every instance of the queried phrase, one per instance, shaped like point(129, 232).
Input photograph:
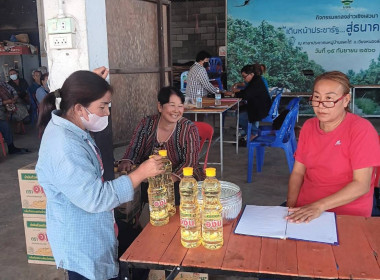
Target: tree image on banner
point(267, 45)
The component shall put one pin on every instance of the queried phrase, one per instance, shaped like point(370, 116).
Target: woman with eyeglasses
point(335, 158)
point(257, 98)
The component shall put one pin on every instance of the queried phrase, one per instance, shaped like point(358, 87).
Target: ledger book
point(269, 221)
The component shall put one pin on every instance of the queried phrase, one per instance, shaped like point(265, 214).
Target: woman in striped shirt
point(170, 131)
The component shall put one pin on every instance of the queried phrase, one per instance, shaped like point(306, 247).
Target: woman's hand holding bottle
point(149, 168)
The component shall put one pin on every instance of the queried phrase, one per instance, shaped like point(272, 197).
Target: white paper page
point(322, 229)
point(266, 221)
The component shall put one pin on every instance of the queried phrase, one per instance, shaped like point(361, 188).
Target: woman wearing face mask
point(79, 216)
point(20, 85)
point(43, 90)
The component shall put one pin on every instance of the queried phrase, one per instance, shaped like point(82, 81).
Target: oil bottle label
point(187, 223)
point(214, 224)
point(159, 203)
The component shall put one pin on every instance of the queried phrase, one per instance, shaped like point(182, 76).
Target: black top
point(258, 100)
point(22, 88)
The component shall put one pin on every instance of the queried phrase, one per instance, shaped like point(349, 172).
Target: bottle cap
point(210, 172)
point(163, 153)
point(187, 171)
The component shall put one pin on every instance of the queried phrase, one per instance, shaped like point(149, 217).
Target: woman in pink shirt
point(336, 153)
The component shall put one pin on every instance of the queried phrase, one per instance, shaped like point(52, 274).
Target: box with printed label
point(37, 245)
point(160, 275)
point(33, 198)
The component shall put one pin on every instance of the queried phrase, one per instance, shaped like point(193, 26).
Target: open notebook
point(269, 221)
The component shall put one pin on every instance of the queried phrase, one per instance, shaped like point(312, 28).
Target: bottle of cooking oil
point(157, 196)
point(212, 219)
point(189, 210)
point(168, 182)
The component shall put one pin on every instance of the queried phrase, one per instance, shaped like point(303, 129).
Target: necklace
point(170, 135)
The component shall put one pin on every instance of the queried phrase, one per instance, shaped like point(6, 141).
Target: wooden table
point(355, 258)
point(208, 107)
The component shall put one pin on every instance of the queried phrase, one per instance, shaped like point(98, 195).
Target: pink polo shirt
point(330, 159)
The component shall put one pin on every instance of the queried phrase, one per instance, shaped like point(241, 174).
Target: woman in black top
point(256, 96)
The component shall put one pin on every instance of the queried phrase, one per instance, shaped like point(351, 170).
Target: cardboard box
point(160, 275)
point(33, 198)
point(37, 245)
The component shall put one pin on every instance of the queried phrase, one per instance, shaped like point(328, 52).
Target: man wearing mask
point(197, 79)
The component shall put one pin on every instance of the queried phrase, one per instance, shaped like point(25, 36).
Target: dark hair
point(252, 68)
point(165, 93)
point(43, 76)
point(81, 87)
point(263, 69)
point(12, 69)
point(202, 55)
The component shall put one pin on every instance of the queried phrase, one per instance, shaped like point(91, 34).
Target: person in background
point(80, 203)
point(197, 78)
point(257, 98)
point(42, 69)
point(6, 131)
point(20, 85)
point(336, 153)
point(43, 90)
point(36, 75)
point(11, 106)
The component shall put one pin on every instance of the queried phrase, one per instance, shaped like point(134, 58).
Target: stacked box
point(33, 201)
point(37, 244)
point(33, 198)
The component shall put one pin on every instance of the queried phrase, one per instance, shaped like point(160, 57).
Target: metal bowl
point(230, 198)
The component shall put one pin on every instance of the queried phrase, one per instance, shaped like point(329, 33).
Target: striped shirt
point(182, 146)
point(197, 80)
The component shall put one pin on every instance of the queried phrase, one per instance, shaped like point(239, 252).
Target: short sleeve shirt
point(331, 157)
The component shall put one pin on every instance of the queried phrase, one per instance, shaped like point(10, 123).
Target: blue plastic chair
point(215, 70)
point(184, 81)
point(295, 101)
point(268, 129)
point(273, 111)
point(275, 91)
point(283, 138)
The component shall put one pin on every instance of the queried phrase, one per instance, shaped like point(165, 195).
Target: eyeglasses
point(245, 76)
point(326, 104)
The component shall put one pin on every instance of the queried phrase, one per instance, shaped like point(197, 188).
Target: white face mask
point(13, 77)
point(94, 122)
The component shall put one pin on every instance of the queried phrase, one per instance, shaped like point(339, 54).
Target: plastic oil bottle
point(168, 182)
point(189, 210)
point(157, 196)
point(212, 219)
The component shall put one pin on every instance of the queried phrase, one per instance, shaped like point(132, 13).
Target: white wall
point(90, 39)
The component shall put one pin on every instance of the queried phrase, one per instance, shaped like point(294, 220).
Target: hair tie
point(57, 93)
point(58, 99)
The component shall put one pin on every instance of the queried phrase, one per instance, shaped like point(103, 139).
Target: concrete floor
point(268, 188)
